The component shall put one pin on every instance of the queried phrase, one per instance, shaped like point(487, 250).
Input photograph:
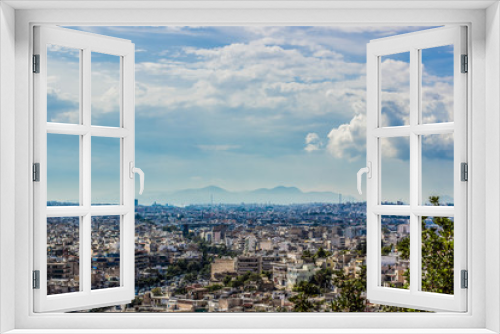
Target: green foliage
point(387, 308)
point(240, 280)
point(404, 248)
point(322, 278)
point(136, 301)
point(214, 287)
point(156, 291)
point(308, 289)
point(180, 291)
point(148, 281)
point(170, 228)
point(227, 280)
point(351, 291)
point(386, 250)
point(268, 274)
point(321, 253)
point(437, 253)
point(302, 303)
point(307, 256)
point(190, 277)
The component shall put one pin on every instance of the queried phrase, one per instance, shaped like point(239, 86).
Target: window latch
point(368, 171)
point(132, 171)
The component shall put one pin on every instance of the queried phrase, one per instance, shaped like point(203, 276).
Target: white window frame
point(413, 43)
point(483, 211)
point(86, 43)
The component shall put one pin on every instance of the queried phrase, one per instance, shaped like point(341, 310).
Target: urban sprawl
point(232, 258)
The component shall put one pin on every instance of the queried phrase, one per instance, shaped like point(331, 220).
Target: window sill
point(250, 331)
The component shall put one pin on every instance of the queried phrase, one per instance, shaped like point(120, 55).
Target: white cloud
point(105, 86)
point(395, 93)
point(348, 141)
point(253, 76)
point(71, 117)
point(313, 142)
point(63, 84)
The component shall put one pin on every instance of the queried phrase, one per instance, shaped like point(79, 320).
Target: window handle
point(368, 171)
point(139, 171)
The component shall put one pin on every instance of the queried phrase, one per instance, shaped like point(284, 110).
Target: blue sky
point(250, 107)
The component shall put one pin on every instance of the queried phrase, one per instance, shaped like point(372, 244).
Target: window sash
point(412, 43)
point(86, 297)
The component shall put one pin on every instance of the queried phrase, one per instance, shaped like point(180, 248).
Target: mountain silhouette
point(277, 195)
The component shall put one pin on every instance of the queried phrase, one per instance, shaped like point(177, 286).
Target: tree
point(306, 255)
point(437, 257)
point(227, 280)
point(386, 250)
point(351, 292)
point(321, 253)
point(156, 291)
point(190, 277)
point(322, 278)
point(268, 273)
point(307, 288)
point(302, 303)
point(437, 253)
point(214, 287)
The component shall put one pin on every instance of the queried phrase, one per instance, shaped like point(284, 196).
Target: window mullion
point(85, 174)
point(415, 170)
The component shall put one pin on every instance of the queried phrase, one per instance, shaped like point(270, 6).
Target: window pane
point(437, 84)
point(63, 255)
point(105, 252)
point(106, 169)
point(438, 254)
point(395, 170)
point(395, 89)
point(63, 165)
point(63, 84)
point(106, 89)
point(437, 169)
point(395, 252)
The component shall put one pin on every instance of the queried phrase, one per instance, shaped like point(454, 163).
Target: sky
point(249, 107)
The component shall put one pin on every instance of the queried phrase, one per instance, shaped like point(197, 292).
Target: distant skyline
point(244, 108)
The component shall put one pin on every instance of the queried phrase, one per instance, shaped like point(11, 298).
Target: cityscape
point(251, 135)
point(235, 257)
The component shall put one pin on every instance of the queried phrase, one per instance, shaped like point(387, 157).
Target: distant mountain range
point(277, 195)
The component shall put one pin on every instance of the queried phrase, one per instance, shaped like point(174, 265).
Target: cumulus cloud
point(348, 141)
point(63, 86)
point(252, 75)
point(313, 142)
point(105, 86)
point(395, 92)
